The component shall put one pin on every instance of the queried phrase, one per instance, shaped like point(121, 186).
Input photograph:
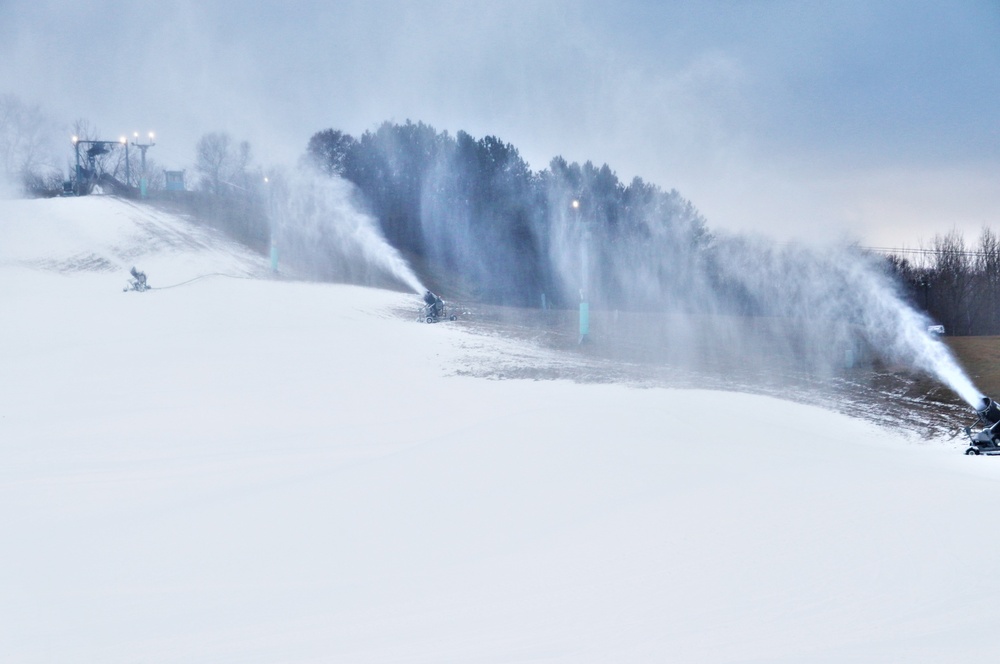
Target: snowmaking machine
point(987, 440)
point(434, 309)
point(137, 282)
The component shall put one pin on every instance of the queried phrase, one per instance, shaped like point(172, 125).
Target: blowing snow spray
point(323, 235)
point(938, 360)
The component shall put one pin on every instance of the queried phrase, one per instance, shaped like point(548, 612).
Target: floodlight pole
point(76, 176)
point(128, 175)
point(143, 147)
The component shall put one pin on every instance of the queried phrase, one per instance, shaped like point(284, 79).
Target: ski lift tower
point(96, 149)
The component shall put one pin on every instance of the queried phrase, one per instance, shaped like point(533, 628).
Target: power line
point(926, 252)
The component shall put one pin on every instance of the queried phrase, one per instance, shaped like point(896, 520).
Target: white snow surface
point(256, 470)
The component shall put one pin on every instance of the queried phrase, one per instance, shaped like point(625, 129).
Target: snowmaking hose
point(202, 276)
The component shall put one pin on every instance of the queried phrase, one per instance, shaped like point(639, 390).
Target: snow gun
point(986, 441)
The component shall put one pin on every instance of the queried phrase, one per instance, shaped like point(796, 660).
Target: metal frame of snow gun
point(138, 282)
point(987, 440)
point(430, 313)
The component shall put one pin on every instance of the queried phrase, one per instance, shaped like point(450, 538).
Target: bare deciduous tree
point(957, 283)
point(26, 135)
point(223, 165)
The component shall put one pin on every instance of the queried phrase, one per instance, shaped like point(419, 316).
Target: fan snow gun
point(434, 309)
point(137, 282)
point(987, 440)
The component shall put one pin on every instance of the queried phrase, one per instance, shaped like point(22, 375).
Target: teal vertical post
point(584, 228)
point(76, 149)
point(274, 256)
point(142, 188)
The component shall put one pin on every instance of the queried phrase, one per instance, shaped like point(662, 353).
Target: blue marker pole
point(584, 275)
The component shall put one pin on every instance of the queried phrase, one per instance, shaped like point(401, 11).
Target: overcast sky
point(872, 120)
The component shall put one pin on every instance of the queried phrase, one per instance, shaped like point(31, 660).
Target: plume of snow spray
point(929, 354)
point(714, 302)
point(321, 233)
point(749, 302)
point(841, 295)
point(701, 301)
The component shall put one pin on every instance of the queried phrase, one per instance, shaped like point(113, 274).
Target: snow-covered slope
point(248, 470)
point(104, 234)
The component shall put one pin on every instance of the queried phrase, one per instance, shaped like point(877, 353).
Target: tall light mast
point(143, 147)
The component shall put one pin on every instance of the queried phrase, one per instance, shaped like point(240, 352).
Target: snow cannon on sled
point(434, 309)
point(137, 282)
point(987, 440)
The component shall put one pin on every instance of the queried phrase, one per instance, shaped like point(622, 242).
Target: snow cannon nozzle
point(988, 411)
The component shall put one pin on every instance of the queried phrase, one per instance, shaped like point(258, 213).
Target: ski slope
point(243, 469)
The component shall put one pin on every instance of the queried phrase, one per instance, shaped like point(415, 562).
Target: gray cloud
point(776, 116)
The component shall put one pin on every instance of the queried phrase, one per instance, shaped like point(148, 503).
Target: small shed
point(174, 180)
